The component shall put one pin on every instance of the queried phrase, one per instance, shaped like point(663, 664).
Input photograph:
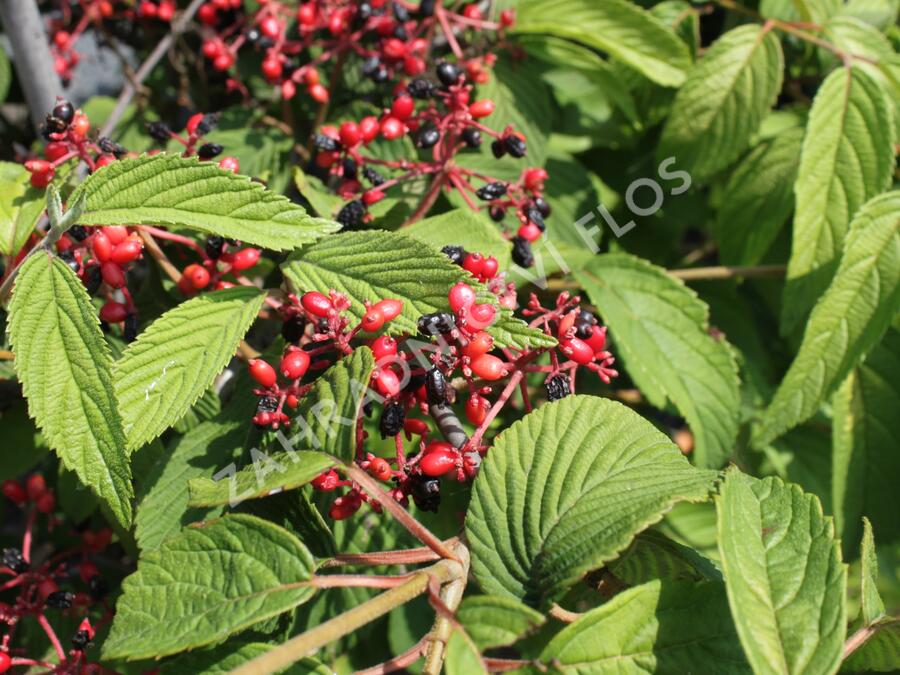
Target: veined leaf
point(462, 656)
point(758, 198)
point(815, 11)
point(848, 320)
point(871, 604)
point(373, 265)
point(171, 190)
point(786, 583)
point(865, 413)
point(462, 227)
point(846, 160)
point(176, 359)
point(20, 207)
point(661, 331)
point(494, 621)
point(878, 13)
point(5, 76)
point(621, 29)
point(660, 627)
point(566, 489)
point(207, 583)
point(652, 555)
point(273, 474)
point(724, 99)
point(225, 658)
point(65, 368)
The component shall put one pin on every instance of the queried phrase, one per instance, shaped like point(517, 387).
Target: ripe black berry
point(491, 191)
point(209, 122)
point(364, 11)
point(64, 111)
point(542, 206)
point(77, 232)
point(209, 150)
point(54, 125)
point(557, 387)
point(349, 166)
point(515, 146)
point(427, 137)
point(521, 252)
point(373, 176)
point(400, 12)
point(60, 599)
point(426, 7)
point(426, 492)
point(498, 147)
point(130, 328)
point(326, 143)
point(370, 66)
point(213, 247)
point(80, 640)
point(351, 215)
point(535, 217)
point(159, 131)
point(109, 145)
point(97, 587)
point(435, 386)
point(420, 88)
point(92, 279)
point(69, 258)
point(367, 408)
point(392, 418)
point(447, 73)
point(12, 558)
point(584, 324)
point(292, 329)
point(435, 324)
point(456, 253)
point(472, 137)
point(497, 213)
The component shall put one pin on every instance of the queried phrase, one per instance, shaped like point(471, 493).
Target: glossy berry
point(439, 458)
point(316, 304)
point(490, 268)
point(529, 232)
point(63, 110)
point(368, 128)
point(350, 134)
point(80, 640)
point(542, 206)
point(435, 386)
point(262, 372)
point(391, 128)
point(491, 191)
point(384, 346)
point(373, 197)
point(113, 312)
point(403, 107)
point(392, 419)
point(515, 145)
point(45, 503)
point(456, 253)
point(426, 492)
point(577, 350)
point(477, 409)
point(352, 214)
point(60, 599)
point(488, 367)
point(294, 364)
point(293, 328)
point(245, 259)
point(346, 506)
point(557, 387)
point(481, 108)
point(12, 558)
point(35, 486)
point(427, 137)
point(379, 469)
point(230, 164)
point(372, 320)
point(5, 662)
point(481, 316)
point(461, 296)
point(113, 275)
point(209, 150)
point(597, 339)
point(521, 252)
point(13, 491)
point(386, 382)
point(327, 481)
point(126, 252)
point(481, 343)
point(430, 325)
point(213, 247)
point(472, 137)
point(447, 73)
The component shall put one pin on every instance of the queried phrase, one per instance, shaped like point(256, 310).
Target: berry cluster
point(37, 584)
point(198, 125)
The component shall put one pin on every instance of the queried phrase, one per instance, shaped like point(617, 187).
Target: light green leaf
point(207, 407)
point(652, 555)
point(660, 329)
point(864, 475)
point(466, 228)
point(724, 99)
point(846, 160)
point(20, 207)
point(565, 489)
point(207, 583)
point(5, 75)
point(494, 621)
point(176, 359)
point(225, 658)
point(275, 473)
point(620, 28)
point(786, 583)
point(660, 627)
point(815, 11)
point(871, 604)
point(462, 656)
point(758, 198)
point(64, 366)
point(848, 320)
point(373, 265)
point(880, 652)
point(325, 203)
point(879, 13)
point(171, 190)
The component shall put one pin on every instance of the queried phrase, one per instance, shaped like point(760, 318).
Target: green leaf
point(207, 583)
point(175, 360)
point(866, 408)
point(325, 203)
point(621, 29)
point(171, 190)
point(225, 658)
point(815, 11)
point(848, 320)
point(660, 627)
point(652, 555)
point(880, 652)
point(783, 571)
point(65, 368)
point(462, 656)
point(20, 207)
point(660, 329)
point(462, 227)
point(566, 489)
point(206, 408)
point(5, 75)
point(878, 13)
point(373, 265)
point(494, 621)
point(724, 99)
point(871, 604)
point(268, 475)
point(758, 199)
point(846, 160)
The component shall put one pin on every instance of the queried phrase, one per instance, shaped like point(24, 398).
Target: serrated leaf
point(206, 408)
point(207, 583)
point(65, 368)
point(462, 227)
point(565, 489)
point(325, 203)
point(786, 583)
point(20, 207)
point(871, 604)
point(276, 473)
point(373, 265)
point(758, 198)
point(660, 329)
point(652, 555)
point(176, 359)
point(866, 408)
point(846, 160)
point(848, 320)
point(225, 658)
point(621, 29)
point(171, 190)
point(660, 627)
point(723, 101)
point(494, 621)
point(880, 653)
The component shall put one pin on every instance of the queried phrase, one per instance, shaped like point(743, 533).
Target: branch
point(451, 595)
point(859, 638)
point(724, 272)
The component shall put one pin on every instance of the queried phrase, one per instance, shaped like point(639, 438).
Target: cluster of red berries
point(220, 257)
point(37, 584)
point(198, 125)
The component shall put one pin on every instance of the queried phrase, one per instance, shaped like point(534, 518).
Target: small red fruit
point(197, 276)
point(481, 316)
point(272, 68)
point(530, 232)
point(481, 108)
point(54, 151)
point(316, 304)
point(380, 469)
point(46, 502)
point(113, 275)
point(577, 349)
point(386, 382)
point(87, 571)
point(373, 196)
point(415, 427)
point(389, 308)
point(477, 409)
point(474, 263)
point(597, 339)
point(306, 13)
point(507, 17)
point(534, 179)
point(294, 364)
point(391, 128)
point(126, 252)
point(245, 259)
point(327, 481)
point(345, 506)
point(403, 107)
point(5, 662)
point(368, 128)
point(113, 312)
point(350, 134)
point(384, 346)
point(223, 61)
point(318, 93)
point(230, 164)
point(262, 372)
point(372, 320)
point(269, 27)
point(394, 49)
point(35, 486)
point(488, 367)
point(439, 458)
point(14, 492)
point(116, 233)
point(490, 268)
point(481, 343)
point(461, 296)
point(472, 12)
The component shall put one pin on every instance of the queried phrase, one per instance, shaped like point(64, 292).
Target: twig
point(859, 638)
point(725, 272)
point(503, 665)
point(563, 614)
point(451, 595)
point(6, 355)
point(408, 556)
point(399, 662)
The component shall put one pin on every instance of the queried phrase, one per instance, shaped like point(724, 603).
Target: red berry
point(481, 343)
point(288, 90)
point(104, 160)
point(403, 107)
point(566, 323)
point(197, 276)
point(245, 259)
point(530, 232)
point(113, 312)
point(597, 340)
point(472, 12)
point(230, 164)
point(384, 346)
point(310, 77)
point(14, 492)
point(223, 61)
point(35, 486)
point(116, 233)
point(474, 263)
point(415, 427)
point(461, 296)
point(386, 382)
point(336, 24)
point(316, 304)
point(477, 409)
point(46, 502)
point(394, 49)
point(269, 27)
point(413, 65)
point(481, 108)
point(488, 367)
point(368, 128)
point(294, 364)
point(306, 13)
point(263, 373)
point(126, 252)
point(55, 150)
point(101, 246)
point(211, 49)
point(166, 11)
point(193, 122)
point(350, 134)
point(439, 458)
point(5, 662)
point(345, 506)
point(577, 349)
point(87, 571)
point(372, 196)
point(372, 320)
point(380, 469)
point(391, 128)
point(481, 316)
point(42, 180)
point(319, 93)
point(507, 17)
point(534, 179)
point(489, 268)
point(271, 68)
point(389, 308)
point(80, 126)
point(326, 159)
point(327, 481)
point(113, 275)
point(207, 14)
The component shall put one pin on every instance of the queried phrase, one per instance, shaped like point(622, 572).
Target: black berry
point(435, 386)
point(64, 111)
point(77, 232)
point(60, 599)
point(209, 122)
point(130, 328)
point(370, 66)
point(491, 191)
point(326, 143)
point(542, 206)
point(515, 146)
point(349, 166)
point(292, 329)
point(498, 147)
point(392, 418)
point(373, 176)
point(427, 137)
point(420, 88)
point(109, 145)
point(435, 324)
point(521, 252)
point(497, 213)
point(535, 217)
point(213, 247)
point(209, 150)
point(584, 324)
point(81, 640)
point(351, 215)
point(54, 125)
point(159, 131)
point(447, 73)
point(69, 258)
point(557, 387)
point(426, 492)
point(92, 279)
point(472, 137)
point(12, 558)
point(456, 253)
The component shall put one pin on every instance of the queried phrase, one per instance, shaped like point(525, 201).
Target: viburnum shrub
point(467, 336)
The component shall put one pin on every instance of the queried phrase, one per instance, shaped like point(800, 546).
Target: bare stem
point(725, 272)
point(859, 638)
point(399, 662)
point(451, 595)
point(408, 556)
